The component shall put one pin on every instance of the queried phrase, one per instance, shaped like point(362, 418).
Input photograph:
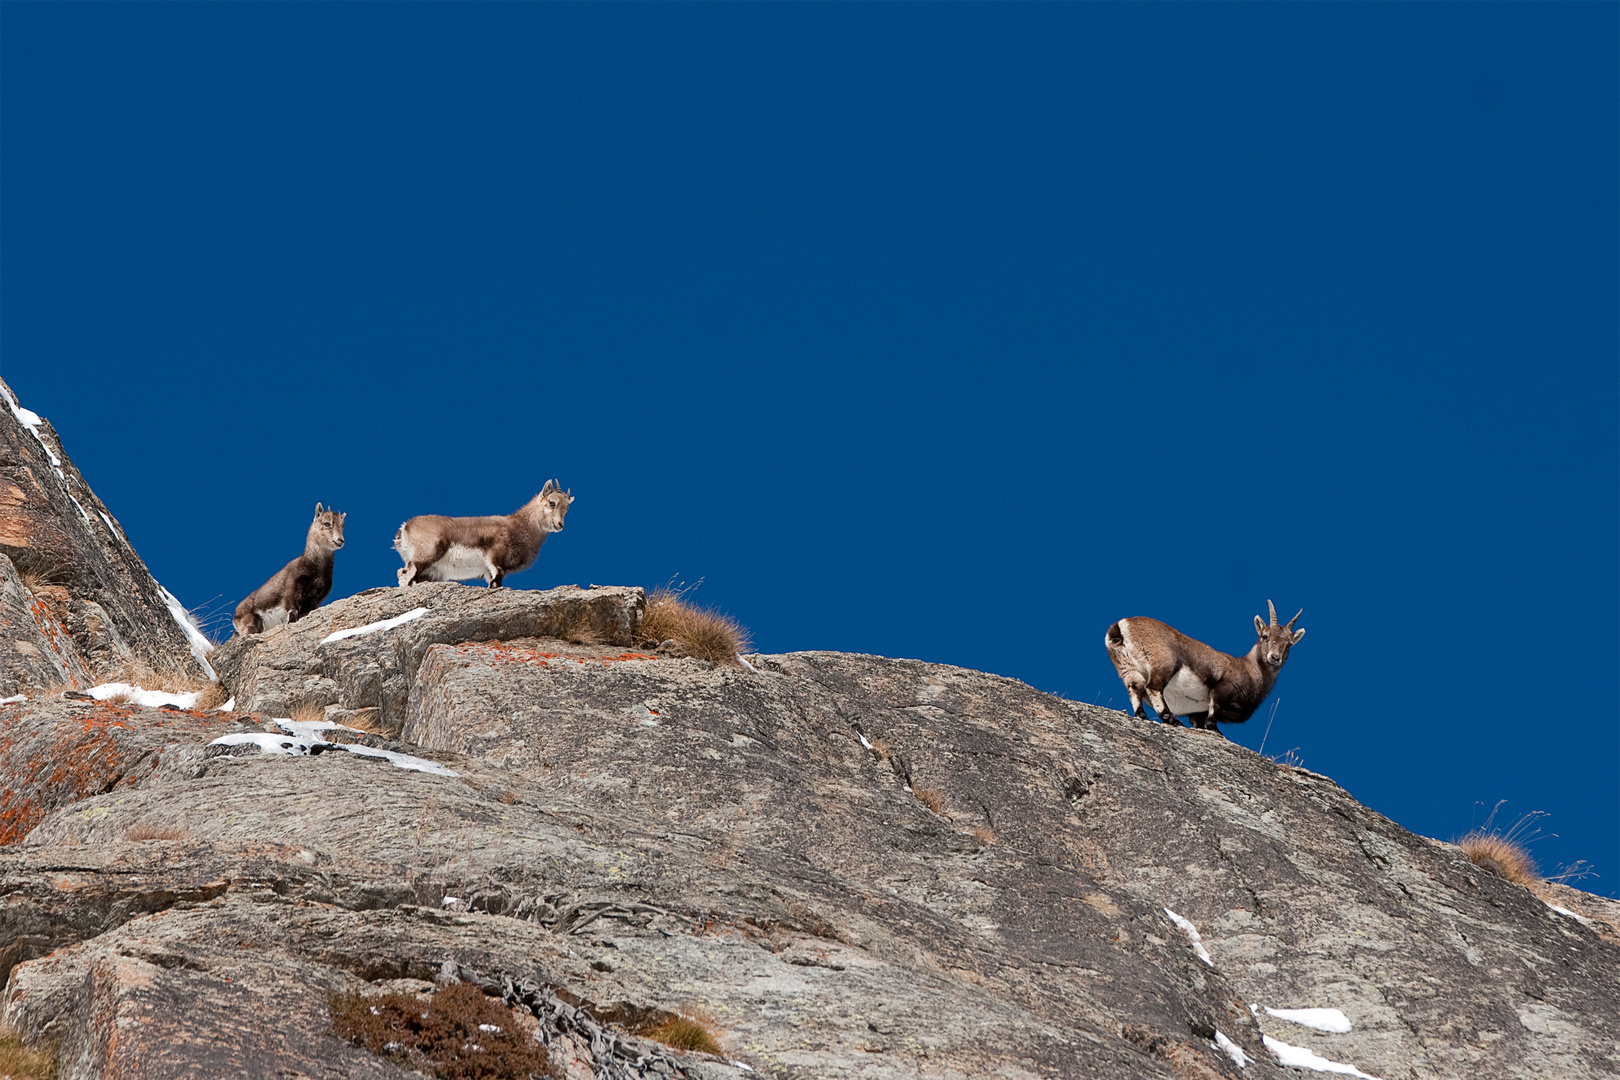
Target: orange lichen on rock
point(80, 758)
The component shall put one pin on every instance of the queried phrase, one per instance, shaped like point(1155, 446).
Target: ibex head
point(553, 503)
point(327, 528)
point(1275, 641)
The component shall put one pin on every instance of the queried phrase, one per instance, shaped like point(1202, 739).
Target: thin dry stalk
point(702, 633)
point(1506, 854)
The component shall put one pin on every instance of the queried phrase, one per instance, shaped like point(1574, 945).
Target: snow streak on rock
point(1321, 1019)
point(1297, 1057)
point(1192, 936)
point(372, 628)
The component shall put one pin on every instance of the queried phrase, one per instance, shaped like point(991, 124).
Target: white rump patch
point(1192, 935)
point(1321, 1019)
point(272, 616)
point(1297, 1057)
point(372, 628)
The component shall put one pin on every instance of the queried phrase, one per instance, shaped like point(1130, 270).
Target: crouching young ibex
point(1183, 677)
point(437, 548)
point(301, 585)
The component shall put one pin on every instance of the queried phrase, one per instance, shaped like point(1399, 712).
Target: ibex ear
point(547, 489)
point(1297, 635)
point(1260, 626)
point(317, 508)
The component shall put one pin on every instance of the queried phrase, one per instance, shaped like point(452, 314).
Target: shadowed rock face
point(856, 866)
point(92, 596)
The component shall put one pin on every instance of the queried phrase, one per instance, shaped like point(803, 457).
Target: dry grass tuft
point(142, 831)
point(39, 573)
point(881, 750)
point(931, 798)
point(457, 1033)
point(1506, 854)
point(695, 1032)
point(18, 1062)
point(214, 696)
point(123, 697)
point(702, 632)
point(984, 834)
point(366, 720)
point(307, 713)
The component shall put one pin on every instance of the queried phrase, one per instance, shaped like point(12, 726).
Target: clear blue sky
point(953, 332)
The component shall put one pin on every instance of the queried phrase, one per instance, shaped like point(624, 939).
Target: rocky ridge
point(852, 866)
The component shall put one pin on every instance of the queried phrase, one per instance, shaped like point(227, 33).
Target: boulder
point(301, 664)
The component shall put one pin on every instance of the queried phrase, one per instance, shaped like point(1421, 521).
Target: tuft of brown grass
point(213, 696)
point(40, 573)
point(694, 1032)
point(932, 798)
point(123, 697)
point(307, 713)
point(456, 1033)
point(18, 1062)
point(583, 632)
point(1506, 854)
point(143, 831)
point(172, 680)
point(366, 720)
point(703, 633)
point(984, 834)
point(881, 750)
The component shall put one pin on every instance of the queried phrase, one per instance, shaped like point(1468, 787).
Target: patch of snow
point(200, 646)
point(1562, 911)
point(266, 742)
point(13, 699)
point(744, 1068)
point(1230, 1049)
point(1321, 1019)
point(864, 743)
point(488, 1027)
point(746, 664)
point(1192, 935)
point(150, 699)
point(1298, 1057)
point(228, 706)
point(450, 901)
point(402, 761)
point(372, 628)
point(304, 737)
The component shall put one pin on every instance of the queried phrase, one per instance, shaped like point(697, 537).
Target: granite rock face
point(88, 588)
point(630, 835)
point(851, 866)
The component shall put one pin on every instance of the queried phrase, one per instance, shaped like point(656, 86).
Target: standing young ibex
point(302, 583)
point(1183, 677)
point(437, 548)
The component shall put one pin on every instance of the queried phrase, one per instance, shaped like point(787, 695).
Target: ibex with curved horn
point(1183, 677)
point(437, 548)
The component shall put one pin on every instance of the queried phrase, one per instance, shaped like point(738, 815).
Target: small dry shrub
point(18, 1062)
point(881, 750)
point(931, 798)
point(1506, 854)
point(123, 697)
point(307, 714)
point(440, 1033)
point(142, 831)
point(366, 720)
point(139, 673)
point(704, 633)
point(213, 696)
point(984, 834)
point(694, 1032)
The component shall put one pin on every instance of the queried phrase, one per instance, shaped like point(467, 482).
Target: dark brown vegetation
point(932, 798)
point(702, 633)
point(456, 1033)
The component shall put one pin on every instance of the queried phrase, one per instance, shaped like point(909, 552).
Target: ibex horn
point(1273, 610)
point(1297, 614)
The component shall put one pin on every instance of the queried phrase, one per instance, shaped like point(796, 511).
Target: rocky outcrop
point(88, 590)
point(311, 663)
point(636, 834)
point(844, 866)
